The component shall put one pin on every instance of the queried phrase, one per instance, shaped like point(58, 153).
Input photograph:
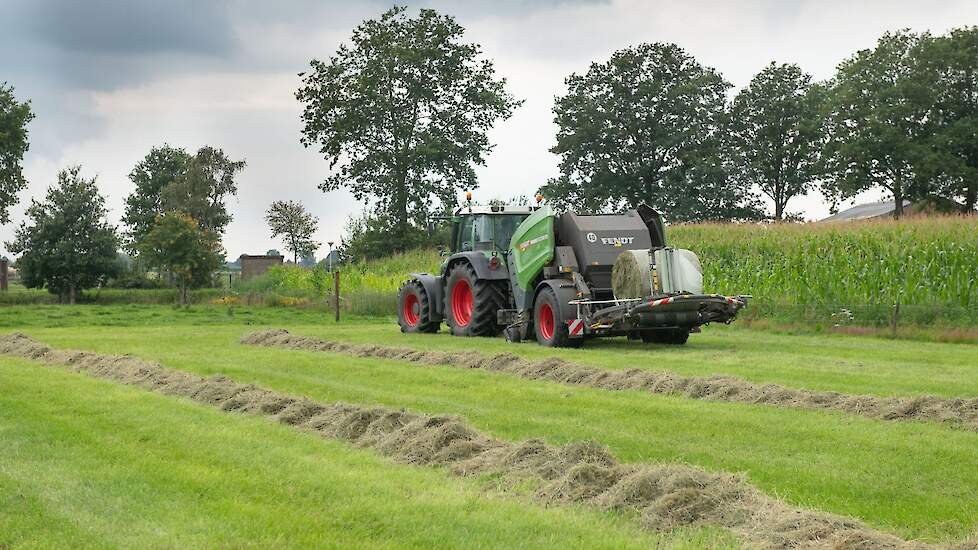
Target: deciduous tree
point(178, 244)
point(955, 114)
point(161, 167)
point(402, 113)
point(14, 116)
point(202, 189)
point(290, 221)
point(878, 125)
point(646, 126)
point(776, 134)
point(68, 245)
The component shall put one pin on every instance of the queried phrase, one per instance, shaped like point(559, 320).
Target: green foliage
point(181, 246)
point(955, 113)
point(291, 221)
point(14, 116)
point(402, 115)
point(202, 188)
point(367, 237)
point(775, 134)
point(646, 126)
point(161, 167)
point(877, 122)
point(918, 262)
point(68, 246)
point(169, 179)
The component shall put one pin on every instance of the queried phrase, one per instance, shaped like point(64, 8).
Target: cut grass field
point(87, 463)
point(911, 479)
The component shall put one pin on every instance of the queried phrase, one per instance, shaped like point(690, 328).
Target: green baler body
point(532, 246)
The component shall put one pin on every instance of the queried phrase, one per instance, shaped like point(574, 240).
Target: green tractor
point(562, 279)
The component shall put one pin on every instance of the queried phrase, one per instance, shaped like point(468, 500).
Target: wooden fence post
point(895, 319)
point(336, 293)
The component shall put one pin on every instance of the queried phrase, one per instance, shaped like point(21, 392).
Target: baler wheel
point(548, 324)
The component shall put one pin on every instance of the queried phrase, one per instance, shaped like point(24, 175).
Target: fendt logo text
point(617, 241)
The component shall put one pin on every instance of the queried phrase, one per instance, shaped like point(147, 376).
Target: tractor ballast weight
point(534, 273)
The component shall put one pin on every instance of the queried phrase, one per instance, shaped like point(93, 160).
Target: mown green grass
point(914, 479)
point(831, 362)
point(88, 463)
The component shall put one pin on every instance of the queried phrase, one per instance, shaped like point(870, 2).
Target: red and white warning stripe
point(575, 327)
point(660, 301)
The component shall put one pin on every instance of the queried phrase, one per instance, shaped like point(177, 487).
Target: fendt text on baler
point(562, 279)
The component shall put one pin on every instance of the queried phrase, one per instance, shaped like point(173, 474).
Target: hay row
point(954, 412)
point(665, 496)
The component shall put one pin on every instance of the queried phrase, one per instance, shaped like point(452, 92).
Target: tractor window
point(482, 236)
point(465, 234)
point(504, 227)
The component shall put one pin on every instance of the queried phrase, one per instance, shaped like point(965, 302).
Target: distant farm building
point(868, 211)
point(256, 266)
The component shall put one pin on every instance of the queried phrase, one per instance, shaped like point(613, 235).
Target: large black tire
point(414, 311)
point(548, 323)
point(471, 303)
point(674, 337)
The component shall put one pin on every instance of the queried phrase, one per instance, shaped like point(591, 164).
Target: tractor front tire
point(414, 309)
point(471, 303)
point(548, 323)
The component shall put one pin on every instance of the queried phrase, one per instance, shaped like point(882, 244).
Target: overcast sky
point(109, 79)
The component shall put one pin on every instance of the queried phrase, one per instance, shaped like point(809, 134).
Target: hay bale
point(631, 274)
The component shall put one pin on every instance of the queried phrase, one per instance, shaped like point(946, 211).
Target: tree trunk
point(971, 195)
point(71, 294)
point(183, 293)
point(897, 203)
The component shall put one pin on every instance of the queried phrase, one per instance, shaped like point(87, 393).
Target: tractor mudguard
point(480, 263)
point(436, 294)
point(565, 291)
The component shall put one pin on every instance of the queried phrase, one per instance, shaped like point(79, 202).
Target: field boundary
point(952, 412)
point(666, 496)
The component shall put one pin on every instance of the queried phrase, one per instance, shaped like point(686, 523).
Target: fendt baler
point(562, 279)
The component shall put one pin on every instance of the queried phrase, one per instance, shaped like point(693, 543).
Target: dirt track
point(955, 412)
point(666, 496)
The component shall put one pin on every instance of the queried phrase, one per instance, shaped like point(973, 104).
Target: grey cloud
point(138, 27)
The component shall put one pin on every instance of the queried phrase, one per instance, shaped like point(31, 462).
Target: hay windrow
point(665, 496)
point(954, 412)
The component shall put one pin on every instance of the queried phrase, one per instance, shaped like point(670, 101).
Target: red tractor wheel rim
point(545, 321)
point(412, 309)
point(462, 303)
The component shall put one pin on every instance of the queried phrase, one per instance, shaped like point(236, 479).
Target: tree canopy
point(954, 116)
point(646, 126)
point(776, 134)
point(180, 245)
point(170, 179)
point(290, 221)
point(68, 245)
point(161, 167)
point(402, 113)
point(877, 122)
point(201, 190)
point(14, 116)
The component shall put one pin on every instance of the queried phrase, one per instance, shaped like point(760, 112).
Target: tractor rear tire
point(548, 323)
point(471, 303)
point(673, 337)
point(414, 309)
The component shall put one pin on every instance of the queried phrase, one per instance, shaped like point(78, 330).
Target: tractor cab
point(486, 228)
